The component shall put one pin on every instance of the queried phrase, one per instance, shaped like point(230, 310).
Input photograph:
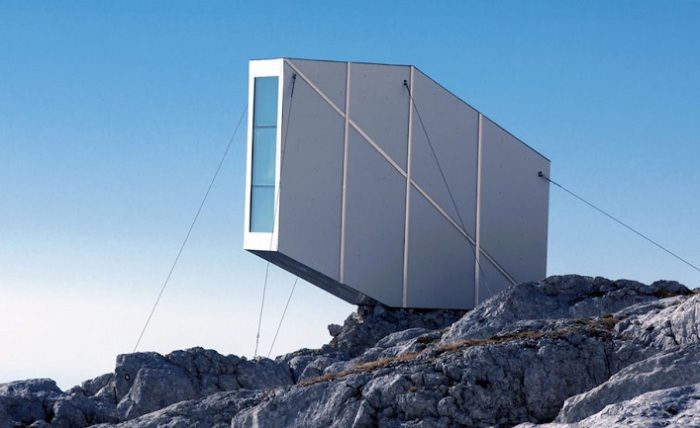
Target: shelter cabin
point(373, 182)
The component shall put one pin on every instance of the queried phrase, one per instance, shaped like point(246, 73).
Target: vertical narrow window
point(262, 195)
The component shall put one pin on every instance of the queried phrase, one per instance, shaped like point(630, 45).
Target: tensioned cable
point(447, 186)
point(618, 221)
point(275, 210)
point(279, 325)
point(189, 231)
point(262, 306)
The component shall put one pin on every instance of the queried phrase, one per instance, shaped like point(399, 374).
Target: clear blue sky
point(114, 114)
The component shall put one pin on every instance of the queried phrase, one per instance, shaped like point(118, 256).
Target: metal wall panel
point(514, 204)
point(310, 185)
point(440, 260)
point(328, 76)
point(374, 224)
point(453, 128)
point(379, 105)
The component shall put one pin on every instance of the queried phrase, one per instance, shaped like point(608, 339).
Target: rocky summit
point(569, 351)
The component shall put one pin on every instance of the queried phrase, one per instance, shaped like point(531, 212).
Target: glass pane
point(265, 113)
point(264, 145)
point(262, 203)
point(264, 156)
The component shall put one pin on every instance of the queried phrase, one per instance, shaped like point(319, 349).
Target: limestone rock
point(23, 401)
point(37, 401)
point(368, 325)
point(213, 411)
point(525, 376)
point(148, 381)
point(154, 388)
point(679, 407)
point(321, 405)
point(586, 351)
point(570, 296)
point(676, 367)
point(673, 407)
point(669, 323)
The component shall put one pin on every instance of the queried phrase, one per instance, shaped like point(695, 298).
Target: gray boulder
point(363, 329)
point(66, 413)
point(213, 411)
point(148, 381)
point(38, 401)
point(154, 388)
point(263, 373)
point(321, 405)
point(359, 336)
point(299, 360)
point(666, 324)
point(92, 387)
point(677, 407)
point(317, 367)
point(673, 407)
point(23, 401)
point(676, 367)
point(557, 297)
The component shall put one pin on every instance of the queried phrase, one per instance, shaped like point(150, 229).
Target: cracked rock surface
point(568, 351)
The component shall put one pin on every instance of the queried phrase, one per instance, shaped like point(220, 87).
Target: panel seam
point(477, 233)
point(343, 200)
point(408, 194)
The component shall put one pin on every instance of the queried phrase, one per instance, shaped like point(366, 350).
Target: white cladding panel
point(379, 106)
point(328, 76)
point(514, 204)
point(310, 189)
point(453, 129)
point(440, 260)
point(374, 224)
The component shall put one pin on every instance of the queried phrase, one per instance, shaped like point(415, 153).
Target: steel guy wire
point(189, 230)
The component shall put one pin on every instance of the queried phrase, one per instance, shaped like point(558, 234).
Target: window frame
point(263, 240)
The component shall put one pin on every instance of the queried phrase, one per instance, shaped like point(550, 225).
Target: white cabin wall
point(310, 198)
point(440, 260)
point(514, 204)
point(378, 105)
point(453, 129)
point(328, 76)
point(427, 263)
point(374, 223)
